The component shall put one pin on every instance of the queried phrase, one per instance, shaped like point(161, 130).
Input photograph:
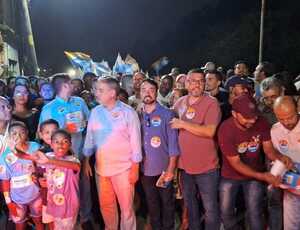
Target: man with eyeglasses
point(161, 150)
point(113, 135)
point(199, 115)
point(270, 89)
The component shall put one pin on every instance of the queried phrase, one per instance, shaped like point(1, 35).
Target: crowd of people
point(198, 145)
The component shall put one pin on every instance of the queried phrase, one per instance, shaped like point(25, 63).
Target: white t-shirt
point(286, 141)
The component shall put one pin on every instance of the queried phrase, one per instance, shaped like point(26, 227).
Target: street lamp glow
point(71, 72)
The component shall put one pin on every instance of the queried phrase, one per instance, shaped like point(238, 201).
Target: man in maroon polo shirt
point(199, 116)
point(243, 139)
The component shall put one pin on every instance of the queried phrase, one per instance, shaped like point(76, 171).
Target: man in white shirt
point(285, 136)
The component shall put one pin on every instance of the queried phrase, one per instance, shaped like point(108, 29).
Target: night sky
point(181, 30)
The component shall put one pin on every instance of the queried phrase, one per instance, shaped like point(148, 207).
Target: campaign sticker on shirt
point(252, 146)
point(51, 188)
point(242, 147)
point(283, 145)
point(75, 122)
point(11, 158)
point(156, 121)
point(115, 114)
point(155, 142)
point(58, 199)
point(59, 178)
point(190, 113)
point(21, 181)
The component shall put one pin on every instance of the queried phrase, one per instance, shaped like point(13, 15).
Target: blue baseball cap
point(236, 80)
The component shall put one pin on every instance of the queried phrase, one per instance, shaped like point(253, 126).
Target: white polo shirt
point(286, 141)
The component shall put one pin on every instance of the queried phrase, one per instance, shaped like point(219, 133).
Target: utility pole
point(261, 34)
point(30, 64)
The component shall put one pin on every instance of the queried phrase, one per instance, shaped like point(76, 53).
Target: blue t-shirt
point(160, 141)
point(71, 115)
point(19, 172)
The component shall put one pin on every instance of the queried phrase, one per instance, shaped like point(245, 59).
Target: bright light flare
point(71, 72)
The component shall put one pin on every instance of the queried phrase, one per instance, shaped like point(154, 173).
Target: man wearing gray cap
point(209, 66)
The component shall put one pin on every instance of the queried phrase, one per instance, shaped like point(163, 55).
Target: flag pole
point(261, 34)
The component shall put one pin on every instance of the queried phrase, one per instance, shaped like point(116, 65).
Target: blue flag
point(80, 60)
point(100, 68)
point(121, 67)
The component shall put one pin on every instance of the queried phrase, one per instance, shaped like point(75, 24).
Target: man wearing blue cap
point(237, 86)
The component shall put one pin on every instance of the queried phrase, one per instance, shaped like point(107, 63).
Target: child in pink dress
point(62, 173)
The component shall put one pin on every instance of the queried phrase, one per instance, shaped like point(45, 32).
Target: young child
point(20, 191)
point(62, 172)
point(46, 129)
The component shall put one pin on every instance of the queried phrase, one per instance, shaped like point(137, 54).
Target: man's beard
point(196, 93)
point(247, 125)
point(148, 102)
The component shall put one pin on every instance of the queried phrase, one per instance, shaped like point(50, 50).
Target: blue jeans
point(275, 205)
point(291, 214)
point(253, 195)
point(275, 208)
point(205, 184)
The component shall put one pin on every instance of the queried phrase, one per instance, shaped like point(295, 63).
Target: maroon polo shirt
point(198, 154)
point(244, 143)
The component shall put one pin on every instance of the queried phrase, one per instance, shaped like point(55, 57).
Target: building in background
point(17, 52)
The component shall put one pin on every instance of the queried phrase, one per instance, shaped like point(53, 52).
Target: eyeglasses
point(21, 93)
point(198, 82)
point(147, 120)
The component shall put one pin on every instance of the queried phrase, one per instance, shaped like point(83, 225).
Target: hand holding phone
point(162, 182)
